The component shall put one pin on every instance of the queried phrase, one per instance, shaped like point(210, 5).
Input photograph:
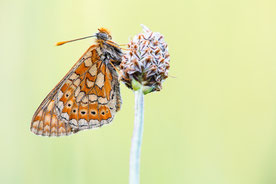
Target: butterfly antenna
point(61, 43)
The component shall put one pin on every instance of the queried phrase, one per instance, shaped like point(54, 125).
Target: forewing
point(46, 121)
point(87, 97)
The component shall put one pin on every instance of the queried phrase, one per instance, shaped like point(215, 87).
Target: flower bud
point(145, 65)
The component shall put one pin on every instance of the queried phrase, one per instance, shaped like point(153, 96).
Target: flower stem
point(134, 163)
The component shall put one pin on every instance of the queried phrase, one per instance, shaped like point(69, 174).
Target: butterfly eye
point(102, 36)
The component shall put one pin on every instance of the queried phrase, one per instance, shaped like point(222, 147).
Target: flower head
point(146, 63)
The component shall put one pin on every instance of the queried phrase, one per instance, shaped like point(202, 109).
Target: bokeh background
point(214, 123)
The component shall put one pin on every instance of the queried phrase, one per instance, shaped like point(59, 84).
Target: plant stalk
point(136, 141)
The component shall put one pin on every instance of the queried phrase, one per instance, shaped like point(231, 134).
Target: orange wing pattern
point(87, 97)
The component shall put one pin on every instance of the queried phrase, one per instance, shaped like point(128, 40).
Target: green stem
point(134, 164)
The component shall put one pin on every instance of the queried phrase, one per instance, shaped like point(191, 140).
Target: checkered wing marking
point(87, 97)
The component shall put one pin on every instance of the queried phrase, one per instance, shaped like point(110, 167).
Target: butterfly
point(89, 94)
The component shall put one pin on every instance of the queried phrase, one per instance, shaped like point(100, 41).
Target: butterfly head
point(103, 34)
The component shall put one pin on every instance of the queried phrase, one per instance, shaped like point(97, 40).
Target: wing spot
point(93, 70)
point(92, 97)
point(100, 80)
point(79, 97)
point(89, 83)
point(85, 99)
point(93, 112)
point(88, 62)
point(73, 76)
point(77, 82)
point(102, 100)
point(67, 94)
point(83, 112)
point(77, 91)
point(59, 95)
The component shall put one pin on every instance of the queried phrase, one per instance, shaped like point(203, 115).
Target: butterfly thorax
point(109, 52)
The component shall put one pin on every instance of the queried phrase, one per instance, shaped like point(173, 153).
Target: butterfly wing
point(87, 97)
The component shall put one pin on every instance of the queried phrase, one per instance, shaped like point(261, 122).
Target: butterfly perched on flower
point(89, 94)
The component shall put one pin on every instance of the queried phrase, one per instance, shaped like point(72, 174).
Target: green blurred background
point(215, 123)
